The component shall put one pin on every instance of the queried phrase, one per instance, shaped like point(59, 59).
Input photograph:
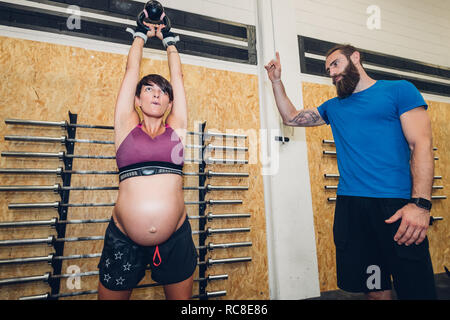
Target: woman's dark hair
point(161, 82)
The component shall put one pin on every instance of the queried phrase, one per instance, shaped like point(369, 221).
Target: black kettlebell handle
point(142, 16)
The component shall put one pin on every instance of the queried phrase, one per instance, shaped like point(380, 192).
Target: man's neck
point(364, 82)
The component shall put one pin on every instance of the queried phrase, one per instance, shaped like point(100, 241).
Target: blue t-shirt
point(372, 152)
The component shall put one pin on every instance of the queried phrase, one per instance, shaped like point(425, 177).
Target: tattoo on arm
point(307, 118)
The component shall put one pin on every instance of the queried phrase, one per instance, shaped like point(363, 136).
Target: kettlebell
point(153, 13)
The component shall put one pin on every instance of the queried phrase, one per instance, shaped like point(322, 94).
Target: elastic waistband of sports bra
point(148, 169)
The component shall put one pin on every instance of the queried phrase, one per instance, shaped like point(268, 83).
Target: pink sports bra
point(140, 154)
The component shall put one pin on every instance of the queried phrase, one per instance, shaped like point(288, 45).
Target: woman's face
point(153, 101)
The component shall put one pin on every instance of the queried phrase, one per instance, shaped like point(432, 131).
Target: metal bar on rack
point(433, 219)
point(55, 188)
point(213, 294)
point(49, 259)
point(217, 174)
point(211, 246)
point(31, 171)
point(48, 296)
point(56, 205)
point(19, 280)
point(51, 222)
point(78, 256)
point(213, 147)
point(60, 155)
point(62, 124)
point(62, 139)
point(211, 262)
point(217, 134)
point(213, 202)
point(14, 224)
point(60, 171)
point(50, 240)
point(48, 277)
point(211, 231)
point(211, 160)
point(216, 188)
point(331, 175)
point(211, 216)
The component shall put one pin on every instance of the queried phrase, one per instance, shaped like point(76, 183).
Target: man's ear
point(356, 58)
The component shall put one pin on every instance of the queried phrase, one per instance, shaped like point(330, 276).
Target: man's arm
point(416, 127)
point(290, 115)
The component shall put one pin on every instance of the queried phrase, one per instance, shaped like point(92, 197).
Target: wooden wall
point(42, 81)
point(319, 164)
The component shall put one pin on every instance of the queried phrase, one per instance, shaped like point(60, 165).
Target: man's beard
point(349, 81)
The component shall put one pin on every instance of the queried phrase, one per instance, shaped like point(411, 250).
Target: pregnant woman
point(149, 225)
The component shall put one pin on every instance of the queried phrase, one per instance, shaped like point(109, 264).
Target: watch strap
point(422, 203)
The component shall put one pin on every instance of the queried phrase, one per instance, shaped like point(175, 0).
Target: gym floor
point(442, 288)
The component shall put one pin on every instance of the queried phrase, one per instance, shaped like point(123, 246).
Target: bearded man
point(382, 134)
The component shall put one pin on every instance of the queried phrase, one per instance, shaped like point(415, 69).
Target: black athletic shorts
point(123, 262)
point(367, 255)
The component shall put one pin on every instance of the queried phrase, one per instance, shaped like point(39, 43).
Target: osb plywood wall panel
point(439, 232)
point(43, 81)
point(319, 164)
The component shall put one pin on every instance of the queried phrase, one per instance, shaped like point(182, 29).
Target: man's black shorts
point(123, 262)
point(367, 255)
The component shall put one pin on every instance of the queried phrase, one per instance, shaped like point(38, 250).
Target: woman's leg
point(180, 290)
point(106, 294)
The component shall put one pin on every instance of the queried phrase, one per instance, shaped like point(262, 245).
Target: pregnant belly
point(150, 210)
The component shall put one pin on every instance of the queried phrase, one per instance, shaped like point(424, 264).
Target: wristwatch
point(421, 203)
